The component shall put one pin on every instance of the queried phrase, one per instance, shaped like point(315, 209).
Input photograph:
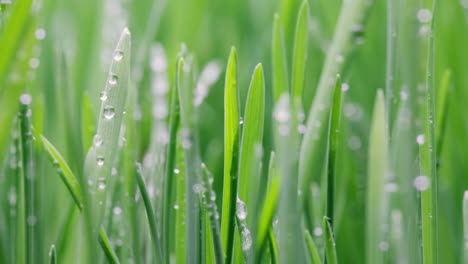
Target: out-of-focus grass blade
point(20, 200)
point(330, 245)
point(64, 172)
point(312, 248)
point(291, 242)
point(442, 109)
point(11, 37)
point(465, 226)
point(231, 124)
point(251, 144)
point(28, 173)
point(88, 122)
point(149, 213)
point(333, 142)
point(377, 171)
point(279, 61)
point(300, 52)
point(180, 231)
point(273, 246)
point(52, 255)
point(106, 247)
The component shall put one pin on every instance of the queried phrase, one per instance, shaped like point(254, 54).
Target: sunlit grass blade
point(279, 61)
point(149, 213)
point(334, 134)
point(251, 145)
point(231, 124)
point(273, 246)
point(300, 52)
point(28, 174)
point(52, 255)
point(330, 245)
point(465, 226)
point(377, 173)
point(442, 110)
point(231, 214)
point(64, 172)
point(312, 248)
point(107, 248)
point(180, 225)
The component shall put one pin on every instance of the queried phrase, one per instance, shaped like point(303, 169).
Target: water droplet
point(420, 139)
point(176, 171)
point(185, 138)
point(118, 55)
point(97, 140)
point(109, 112)
point(344, 87)
point(421, 183)
point(113, 79)
point(176, 206)
point(241, 209)
point(113, 171)
point(40, 34)
point(424, 15)
point(117, 210)
point(404, 95)
point(246, 239)
point(103, 96)
point(241, 121)
point(318, 231)
point(158, 58)
point(100, 161)
point(197, 188)
point(391, 187)
point(354, 142)
point(102, 186)
point(25, 99)
point(34, 63)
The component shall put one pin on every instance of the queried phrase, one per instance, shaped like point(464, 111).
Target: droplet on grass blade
point(118, 55)
point(113, 79)
point(100, 161)
point(421, 183)
point(97, 140)
point(424, 15)
point(420, 139)
point(103, 96)
point(109, 112)
point(241, 209)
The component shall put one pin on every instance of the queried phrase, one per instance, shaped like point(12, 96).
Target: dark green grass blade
point(231, 124)
point(149, 213)
point(64, 172)
point(334, 134)
point(330, 246)
point(312, 248)
point(107, 248)
point(52, 255)
point(279, 61)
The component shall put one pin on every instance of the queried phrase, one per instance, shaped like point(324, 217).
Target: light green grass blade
point(251, 145)
point(231, 215)
point(64, 172)
point(11, 37)
point(20, 200)
point(100, 158)
point(149, 213)
point(465, 226)
point(107, 248)
point(273, 247)
point(312, 249)
point(300, 52)
point(330, 245)
point(52, 255)
point(442, 110)
point(279, 61)
point(334, 134)
point(377, 172)
point(29, 175)
point(231, 124)
point(180, 206)
point(88, 123)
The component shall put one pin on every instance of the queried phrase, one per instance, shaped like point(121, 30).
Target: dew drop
point(246, 239)
point(103, 96)
point(118, 55)
point(420, 139)
point(25, 99)
point(241, 209)
point(241, 121)
point(40, 34)
point(100, 161)
point(318, 231)
point(117, 210)
point(424, 15)
point(97, 140)
point(176, 206)
point(391, 187)
point(176, 171)
point(344, 87)
point(113, 79)
point(109, 112)
point(102, 186)
point(31, 220)
point(421, 183)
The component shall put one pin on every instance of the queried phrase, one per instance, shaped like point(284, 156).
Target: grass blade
point(442, 110)
point(465, 226)
point(20, 203)
point(312, 248)
point(64, 172)
point(149, 213)
point(106, 247)
point(273, 247)
point(52, 255)
point(300, 52)
point(279, 62)
point(231, 215)
point(377, 172)
point(181, 228)
point(330, 245)
point(231, 124)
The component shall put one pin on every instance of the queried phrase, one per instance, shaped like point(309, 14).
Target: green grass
point(280, 161)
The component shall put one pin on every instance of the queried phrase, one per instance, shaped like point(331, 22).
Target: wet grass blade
point(330, 246)
point(377, 172)
point(231, 124)
point(279, 61)
point(149, 213)
point(312, 248)
point(64, 172)
point(180, 230)
point(52, 255)
point(334, 134)
point(106, 247)
point(300, 52)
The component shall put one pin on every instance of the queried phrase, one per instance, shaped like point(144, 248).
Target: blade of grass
point(465, 226)
point(64, 172)
point(231, 123)
point(300, 52)
point(181, 229)
point(442, 110)
point(20, 254)
point(333, 144)
point(330, 245)
point(149, 213)
point(88, 122)
point(107, 248)
point(52, 255)
point(312, 248)
point(377, 172)
point(231, 215)
point(273, 247)
point(279, 62)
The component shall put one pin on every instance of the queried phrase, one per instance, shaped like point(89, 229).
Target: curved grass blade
point(106, 247)
point(330, 246)
point(149, 213)
point(231, 124)
point(279, 61)
point(300, 52)
point(333, 142)
point(251, 144)
point(52, 255)
point(377, 172)
point(64, 172)
point(312, 248)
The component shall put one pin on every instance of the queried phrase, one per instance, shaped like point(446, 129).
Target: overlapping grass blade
point(52, 255)
point(279, 61)
point(64, 172)
point(273, 246)
point(300, 52)
point(312, 248)
point(107, 248)
point(330, 245)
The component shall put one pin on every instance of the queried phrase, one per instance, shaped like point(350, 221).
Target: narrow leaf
point(106, 247)
point(300, 52)
point(279, 62)
point(330, 245)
